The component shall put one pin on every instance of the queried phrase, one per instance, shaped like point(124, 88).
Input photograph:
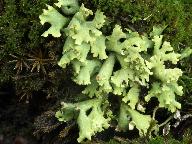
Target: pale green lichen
point(98, 48)
point(114, 43)
point(82, 30)
point(57, 21)
point(132, 96)
point(120, 63)
point(129, 118)
point(68, 6)
point(89, 115)
point(161, 54)
point(103, 78)
point(87, 69)
point(166, 94)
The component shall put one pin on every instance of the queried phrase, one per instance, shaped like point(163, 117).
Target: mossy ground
point(29, 61)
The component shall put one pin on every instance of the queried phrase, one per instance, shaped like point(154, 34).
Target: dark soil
point(30, 123)
point(16, 121)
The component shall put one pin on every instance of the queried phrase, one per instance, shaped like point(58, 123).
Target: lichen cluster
point(119, 64)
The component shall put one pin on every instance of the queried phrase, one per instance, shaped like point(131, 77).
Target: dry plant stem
point(165, 122)
point(154, 112)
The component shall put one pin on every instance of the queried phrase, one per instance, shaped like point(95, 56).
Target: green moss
point(23, 51)
point(20, 27)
